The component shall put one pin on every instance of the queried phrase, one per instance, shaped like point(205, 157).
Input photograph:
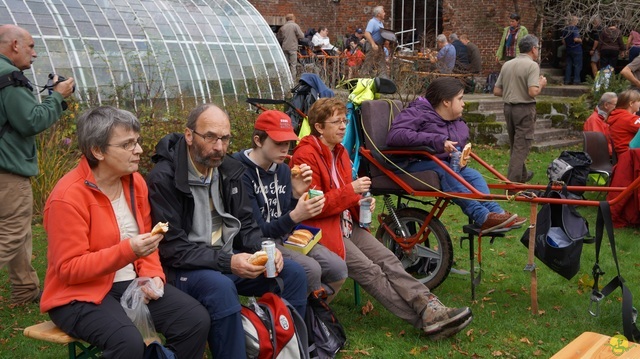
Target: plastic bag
point(133, 303)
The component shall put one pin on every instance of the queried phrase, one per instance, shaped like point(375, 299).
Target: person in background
point(98, 221)
point(633, 44)
point(475, 59)
point(280, 200)
point(573, 51)
point(375, 48)
point(590, 45)
point(623, 120)
point(370, 263)
point(511, 36)
point(321, 40)
point(358, 38)
point(597, 122)
point(631, 72)
point(519, 83)
point(22, 117)
point(436, 121)
point(288, 36)
point(462, 57)
point(445, 60)
point(355, 58)
point(609, 45)
point(198, 189)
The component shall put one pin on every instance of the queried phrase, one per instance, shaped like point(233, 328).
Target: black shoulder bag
point(629, 313)
point(560, 231)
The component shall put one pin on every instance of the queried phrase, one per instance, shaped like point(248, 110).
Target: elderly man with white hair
point(446, 58)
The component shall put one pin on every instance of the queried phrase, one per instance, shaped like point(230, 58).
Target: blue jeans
point(218, 293)
point(476, 210)
point(574, 63)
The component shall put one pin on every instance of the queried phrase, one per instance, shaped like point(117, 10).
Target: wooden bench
point(594, 345)
point(48, 332)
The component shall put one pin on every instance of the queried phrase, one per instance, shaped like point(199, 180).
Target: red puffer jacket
point(318, 156)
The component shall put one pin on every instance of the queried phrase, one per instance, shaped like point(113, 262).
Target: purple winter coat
point(420, 125)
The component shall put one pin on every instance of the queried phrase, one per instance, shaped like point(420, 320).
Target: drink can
point(314, 193)
point(270, 248)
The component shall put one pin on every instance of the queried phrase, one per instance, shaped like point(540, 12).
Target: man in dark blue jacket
point(198, 190)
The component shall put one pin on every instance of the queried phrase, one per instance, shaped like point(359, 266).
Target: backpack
point(491, 82)
point(273, 329)
point(559, 234)
point(326, 334)
point(304, 95)
point(572, 168)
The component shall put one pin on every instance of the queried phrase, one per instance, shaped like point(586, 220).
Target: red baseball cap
point(277, 125)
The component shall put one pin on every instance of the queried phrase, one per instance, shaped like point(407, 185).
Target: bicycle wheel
point(430, 262)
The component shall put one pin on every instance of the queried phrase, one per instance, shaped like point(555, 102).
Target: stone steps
point(546, 137)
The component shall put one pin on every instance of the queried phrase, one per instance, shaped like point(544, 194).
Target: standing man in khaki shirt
point(519, 83)
point(288, 36)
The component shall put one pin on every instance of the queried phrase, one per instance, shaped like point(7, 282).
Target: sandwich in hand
point(259, 258)
point(160, 228)
point(464, 157)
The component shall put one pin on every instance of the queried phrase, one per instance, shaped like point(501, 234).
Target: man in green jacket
point(21, 118)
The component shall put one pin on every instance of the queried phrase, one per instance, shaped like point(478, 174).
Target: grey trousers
point(382, 275)
point(292, 59)
point(521, 120)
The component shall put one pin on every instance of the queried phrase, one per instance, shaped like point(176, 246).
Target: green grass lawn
point(503, 325)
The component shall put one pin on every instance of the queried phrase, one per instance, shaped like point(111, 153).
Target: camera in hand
point(50, 84)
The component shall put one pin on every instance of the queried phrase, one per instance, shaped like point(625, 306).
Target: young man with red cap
point(280, 199)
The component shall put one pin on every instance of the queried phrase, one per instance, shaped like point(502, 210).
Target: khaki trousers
point(521, 122)
point(382, 275)
point(16, 247)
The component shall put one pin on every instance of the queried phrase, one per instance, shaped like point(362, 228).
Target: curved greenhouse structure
point(132, 51)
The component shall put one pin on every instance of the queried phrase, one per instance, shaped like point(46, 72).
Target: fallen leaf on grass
point(496, 353)
point(460, 350)
point(367, 308)
point(361, 351)
point(414, 351)
point(557, 308)
point(388, 334)
point(401, 334)
point(490, 291)
point(537, 353)
point(525, 340)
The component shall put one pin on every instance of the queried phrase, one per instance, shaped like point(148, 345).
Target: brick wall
point(342, 17)
point(481, 20)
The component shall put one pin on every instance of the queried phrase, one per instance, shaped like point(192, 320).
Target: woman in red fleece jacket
point(98, 221)
point(369, 262)
point(623, 121)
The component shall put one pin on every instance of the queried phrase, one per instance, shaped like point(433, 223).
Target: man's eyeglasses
point(338, 122)
point(211, 138)
point(129, 145)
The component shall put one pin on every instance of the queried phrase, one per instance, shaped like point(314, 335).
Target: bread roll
point(300, 237)
point(465, 155)
point(160, 228)
point(295, 171)
point(259, 258)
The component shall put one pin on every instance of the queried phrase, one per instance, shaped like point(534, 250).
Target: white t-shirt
point(128, 229)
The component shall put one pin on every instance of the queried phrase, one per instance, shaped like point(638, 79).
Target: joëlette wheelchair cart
point(410, 225)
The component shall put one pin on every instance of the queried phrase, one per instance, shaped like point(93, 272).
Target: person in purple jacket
point(435, 121)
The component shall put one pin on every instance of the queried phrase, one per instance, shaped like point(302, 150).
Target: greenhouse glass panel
point(205, 49)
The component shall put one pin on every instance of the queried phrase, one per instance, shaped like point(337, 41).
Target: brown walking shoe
point(497, 221)
point(439, 321)
point(518, 222)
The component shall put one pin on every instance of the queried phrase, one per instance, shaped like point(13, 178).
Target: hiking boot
point(518, 222)
point(436, 317)
point(448, 332)
point(497, 221)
